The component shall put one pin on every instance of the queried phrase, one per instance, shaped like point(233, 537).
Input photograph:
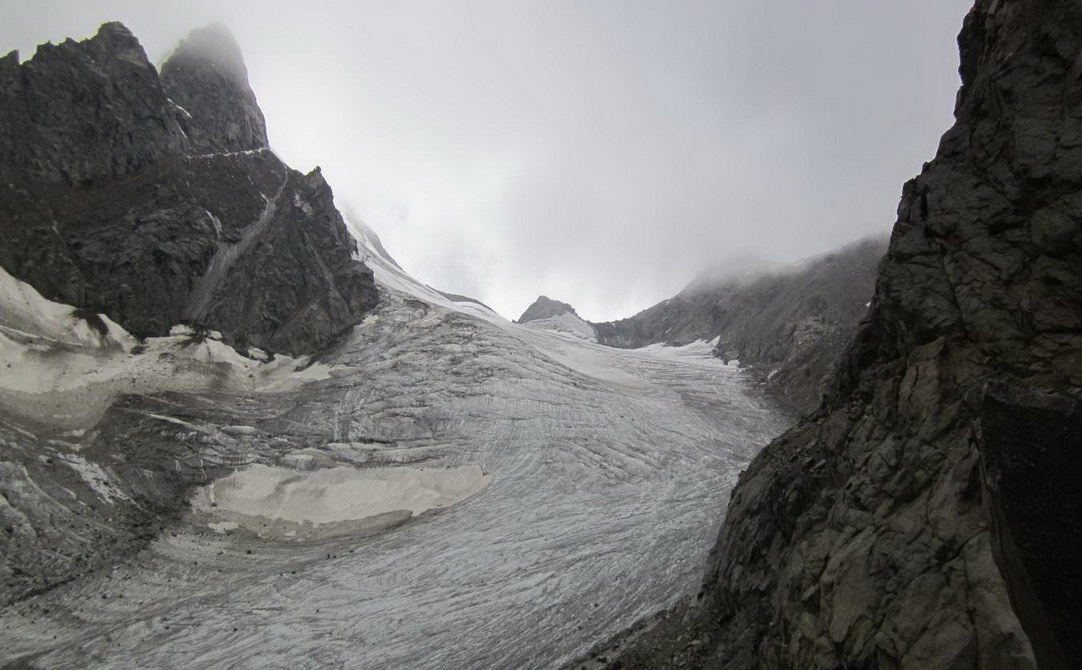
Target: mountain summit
point(206, 77)
point(80, 111)
point(544, 308)
point(559, 316)
point(155, 200)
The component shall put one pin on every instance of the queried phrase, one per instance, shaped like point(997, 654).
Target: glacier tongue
point(606, 475)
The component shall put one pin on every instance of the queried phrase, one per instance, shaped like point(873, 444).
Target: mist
point(602, 153)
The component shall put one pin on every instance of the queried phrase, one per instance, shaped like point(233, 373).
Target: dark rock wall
point(1031, 495)
point(133, 247)
point(790, 327)
point(81, 111)
point(888, 531)
point(107, 202)
point(298, 283)
point(207, 78)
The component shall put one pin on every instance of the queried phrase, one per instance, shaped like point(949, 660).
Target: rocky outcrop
point(790, 326)
point(554, 315)
point(917, 520)
point(544, 308)
point(110, 203)
point(206, 77)
point(67, 118)
point(296, 286)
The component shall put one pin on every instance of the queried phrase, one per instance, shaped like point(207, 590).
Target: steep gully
point(203, 289)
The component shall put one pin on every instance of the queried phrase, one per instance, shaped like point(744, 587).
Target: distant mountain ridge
point(544, 308)
point(790, 325)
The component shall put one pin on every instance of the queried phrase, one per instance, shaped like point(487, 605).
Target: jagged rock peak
point(114, 37)
point(144, 206)
point(65, 116)
point(215, 45)
point(544, 308)
point(206, 76)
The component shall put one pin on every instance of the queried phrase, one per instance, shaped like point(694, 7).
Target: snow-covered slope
point(548, 314)
point(64, 367)
point(568, 323)
point(392, 278)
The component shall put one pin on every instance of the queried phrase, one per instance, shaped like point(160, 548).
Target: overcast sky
point(600, 152)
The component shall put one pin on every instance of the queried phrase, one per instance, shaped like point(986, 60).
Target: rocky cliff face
point(206, 77)
point(790, 327)
point(122, 200)
point(81, 111)
point(917, 521)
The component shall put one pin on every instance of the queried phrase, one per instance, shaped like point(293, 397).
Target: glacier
point(605, 474)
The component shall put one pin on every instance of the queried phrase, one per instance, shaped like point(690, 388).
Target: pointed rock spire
point(206, 77)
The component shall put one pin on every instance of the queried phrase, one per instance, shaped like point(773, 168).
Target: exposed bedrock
point(206, 77)
point(1030, 445)
point(65, 120)
point(918, 520)
point(117, 197)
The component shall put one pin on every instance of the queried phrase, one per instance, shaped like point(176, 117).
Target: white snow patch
point(568, 323)
point(239, 430)
point(699, 350)
point(259, 494)
point(223, 526)
point(181, 109)
point(246, 152)
point(57, 368)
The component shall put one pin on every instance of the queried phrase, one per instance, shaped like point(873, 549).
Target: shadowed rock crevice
point(1030, 467)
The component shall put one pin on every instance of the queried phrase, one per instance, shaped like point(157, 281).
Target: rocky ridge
point(155, 200)
point(912, 522)
point(788, 326)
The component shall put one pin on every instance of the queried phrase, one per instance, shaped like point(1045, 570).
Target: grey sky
point(601, 152)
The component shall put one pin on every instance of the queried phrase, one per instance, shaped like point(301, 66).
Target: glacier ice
point(606, 475)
